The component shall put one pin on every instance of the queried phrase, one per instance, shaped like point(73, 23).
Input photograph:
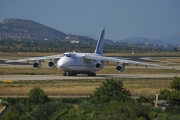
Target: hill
point(27, 29)
point(21, 29)
point(173, 38)
point(143, 40)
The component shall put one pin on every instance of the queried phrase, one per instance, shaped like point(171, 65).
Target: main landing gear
point(69, 74)
point(73, 74)
point(91, 74)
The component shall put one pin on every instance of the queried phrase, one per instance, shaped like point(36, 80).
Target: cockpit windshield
point(67, 55)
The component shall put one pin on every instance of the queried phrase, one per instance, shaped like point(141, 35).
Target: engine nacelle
point(120, 68)
point(52, 64)
point(99, 66)
point(37, 65)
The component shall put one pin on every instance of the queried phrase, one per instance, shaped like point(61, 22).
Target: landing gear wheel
point(91, 74)
point(72, 74)
point(64, 74)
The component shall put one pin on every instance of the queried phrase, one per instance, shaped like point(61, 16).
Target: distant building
point(160, 103)
point(74, 41)
point(68, 38)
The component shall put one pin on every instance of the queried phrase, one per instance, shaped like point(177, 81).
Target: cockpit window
point(67, 55)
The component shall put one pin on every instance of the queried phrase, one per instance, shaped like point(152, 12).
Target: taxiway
point(99, 76)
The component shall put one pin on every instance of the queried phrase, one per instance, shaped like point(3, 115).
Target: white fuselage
point(76, 63)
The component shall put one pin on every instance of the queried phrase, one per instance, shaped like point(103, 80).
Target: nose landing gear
point(69, 74)
point(64, 74)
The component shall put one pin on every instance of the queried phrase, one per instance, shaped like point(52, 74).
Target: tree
point(118, 111)
point(11, 114)
point(143, 99)
point(175, 84)
point(53, 110)
point(174, 95)
point(165, 94)
point(110, 90)
point(37, 96)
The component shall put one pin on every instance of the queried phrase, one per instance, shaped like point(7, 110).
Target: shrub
point(37, 96)
point(110, 90)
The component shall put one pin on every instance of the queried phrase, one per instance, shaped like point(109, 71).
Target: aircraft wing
point(36, 58)
point(121, 61)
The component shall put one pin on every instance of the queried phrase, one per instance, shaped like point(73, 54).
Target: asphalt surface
point(99, 76)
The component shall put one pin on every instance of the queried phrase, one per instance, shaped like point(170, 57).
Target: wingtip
point(7, 61)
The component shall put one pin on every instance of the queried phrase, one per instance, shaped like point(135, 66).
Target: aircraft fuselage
point(75, 63)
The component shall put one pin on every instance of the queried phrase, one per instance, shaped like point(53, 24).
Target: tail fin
point(99, 47)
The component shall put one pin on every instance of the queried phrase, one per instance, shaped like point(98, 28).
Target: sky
point(121, 18)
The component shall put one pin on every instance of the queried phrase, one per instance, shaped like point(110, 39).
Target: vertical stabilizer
point(99, 47)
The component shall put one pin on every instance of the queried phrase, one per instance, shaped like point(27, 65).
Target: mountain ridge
point(27, 29)
point(144, 40)
point(22, 29)
point(173, 38)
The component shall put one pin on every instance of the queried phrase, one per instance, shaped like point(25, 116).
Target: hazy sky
point(121, 18)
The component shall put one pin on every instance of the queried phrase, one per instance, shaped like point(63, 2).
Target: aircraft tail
point(99, 47)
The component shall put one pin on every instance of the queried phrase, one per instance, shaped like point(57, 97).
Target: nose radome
point(59, 64)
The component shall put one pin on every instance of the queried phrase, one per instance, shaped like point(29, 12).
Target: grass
point(28, 71)
point(51, 87)
point(137, 71)
point(156, 54)
point(106, 70)
point(175, 60)
point(83, 87)
point(146, 86)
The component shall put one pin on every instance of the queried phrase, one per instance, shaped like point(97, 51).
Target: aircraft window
point(68, 55)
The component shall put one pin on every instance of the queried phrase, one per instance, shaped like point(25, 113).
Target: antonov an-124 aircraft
point(73, 63)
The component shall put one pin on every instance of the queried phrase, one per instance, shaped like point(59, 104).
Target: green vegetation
point(19, 29)
point(114, 107)
point(110, 90)
point(174, 95)
point(106, 70)
point(9, 45)
point(37, 96)
point(83, 87)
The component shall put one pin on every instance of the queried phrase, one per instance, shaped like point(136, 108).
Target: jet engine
point(120, 68)
point(99, 66)
point(37, 65)
point(52, 64)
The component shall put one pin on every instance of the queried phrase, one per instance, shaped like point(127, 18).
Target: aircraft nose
point(59, 64)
